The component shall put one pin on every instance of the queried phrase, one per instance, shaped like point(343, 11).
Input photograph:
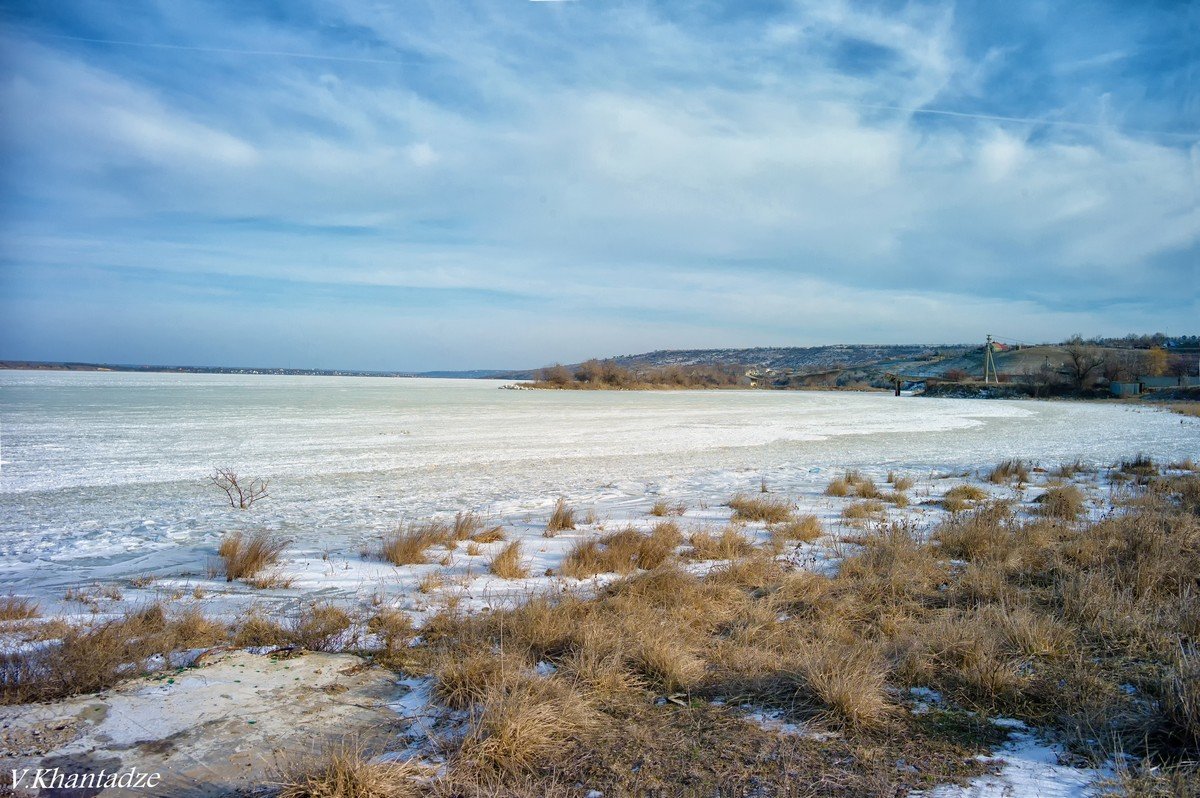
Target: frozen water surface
point(104, 474)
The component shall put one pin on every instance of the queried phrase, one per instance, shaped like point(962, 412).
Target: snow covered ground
point(103, 476)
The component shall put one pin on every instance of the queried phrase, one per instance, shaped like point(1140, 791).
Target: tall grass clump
point(1010, 471)
point(17, 608)
point(561, 519)
point(507, 563)
point(1065, 502)
point(771, 511)
point(246, 557)
point(347, 772)
point(407, 546)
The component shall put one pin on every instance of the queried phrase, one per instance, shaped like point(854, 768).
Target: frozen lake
point(105, 474)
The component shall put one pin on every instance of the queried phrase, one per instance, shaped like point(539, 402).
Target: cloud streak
point(589, 178)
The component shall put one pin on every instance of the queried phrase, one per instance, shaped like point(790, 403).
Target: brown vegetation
point(562, 518)
point(760, 508)
point(607, 374)
point(17, 608)
point(347, 772)
point(246, 557)
point(87, 659)
point(407, 546)
point(507, 563)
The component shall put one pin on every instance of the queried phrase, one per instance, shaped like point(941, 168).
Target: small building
point(1125, 388)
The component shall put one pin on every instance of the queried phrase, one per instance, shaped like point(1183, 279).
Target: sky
point(510, 183)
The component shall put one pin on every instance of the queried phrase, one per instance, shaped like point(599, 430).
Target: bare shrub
point(507, 563)
point(772, 511)
point(562, 518)
point(246, 557)
point(241, 494)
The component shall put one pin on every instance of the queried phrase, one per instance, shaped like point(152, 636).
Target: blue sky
point(419, 185)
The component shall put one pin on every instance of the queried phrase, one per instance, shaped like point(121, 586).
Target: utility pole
point(989, 364)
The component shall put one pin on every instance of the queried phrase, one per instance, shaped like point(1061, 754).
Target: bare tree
point(240, 496)
point(1082, 361)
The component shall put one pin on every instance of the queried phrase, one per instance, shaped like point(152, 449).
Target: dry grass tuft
point(562, 518)
point(507, 563)
point(838, 487)
point(465, 525)
point(803, 529)
point(662, 508)
point(1010, 471)
point(245, 557)
point(1066, 502)
point(17, 608)
point(492, 535)
point(900, 482)
point(407, 546)
point(319, 626)
point(864, 510)
point(622, 552)
point(729, 545)
point(345, 772)
point(760, 508)
point(865, 488)
point(93, 658)
point(524, 722)
point(848, 682)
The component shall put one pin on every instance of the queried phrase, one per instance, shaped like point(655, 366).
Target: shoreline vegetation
point(875, 656)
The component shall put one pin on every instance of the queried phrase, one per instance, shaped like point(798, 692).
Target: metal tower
point(989, 363)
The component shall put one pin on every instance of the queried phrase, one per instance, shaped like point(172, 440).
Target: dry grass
point(848, 682)
point(87, 659)
point(864, 510)
point(622, 552)
point(900, 482)
point(319, 626)
point(801, 529)
point(491, 535)
point(760, 508)
point(1065, 502)
point(838, 487)
point(507, 563)
point(1037, 619)
point(1010, 471)
point(407, 546)
point(466, 525)
point(523, 721)
point(246, 557)
point(865, 488)
point(434, 580)
point(662, 508)
point(17, 608)
point(561, 519)
point(729, 545)
point(346, 772)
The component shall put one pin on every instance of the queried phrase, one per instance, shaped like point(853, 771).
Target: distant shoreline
point(36, 365)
